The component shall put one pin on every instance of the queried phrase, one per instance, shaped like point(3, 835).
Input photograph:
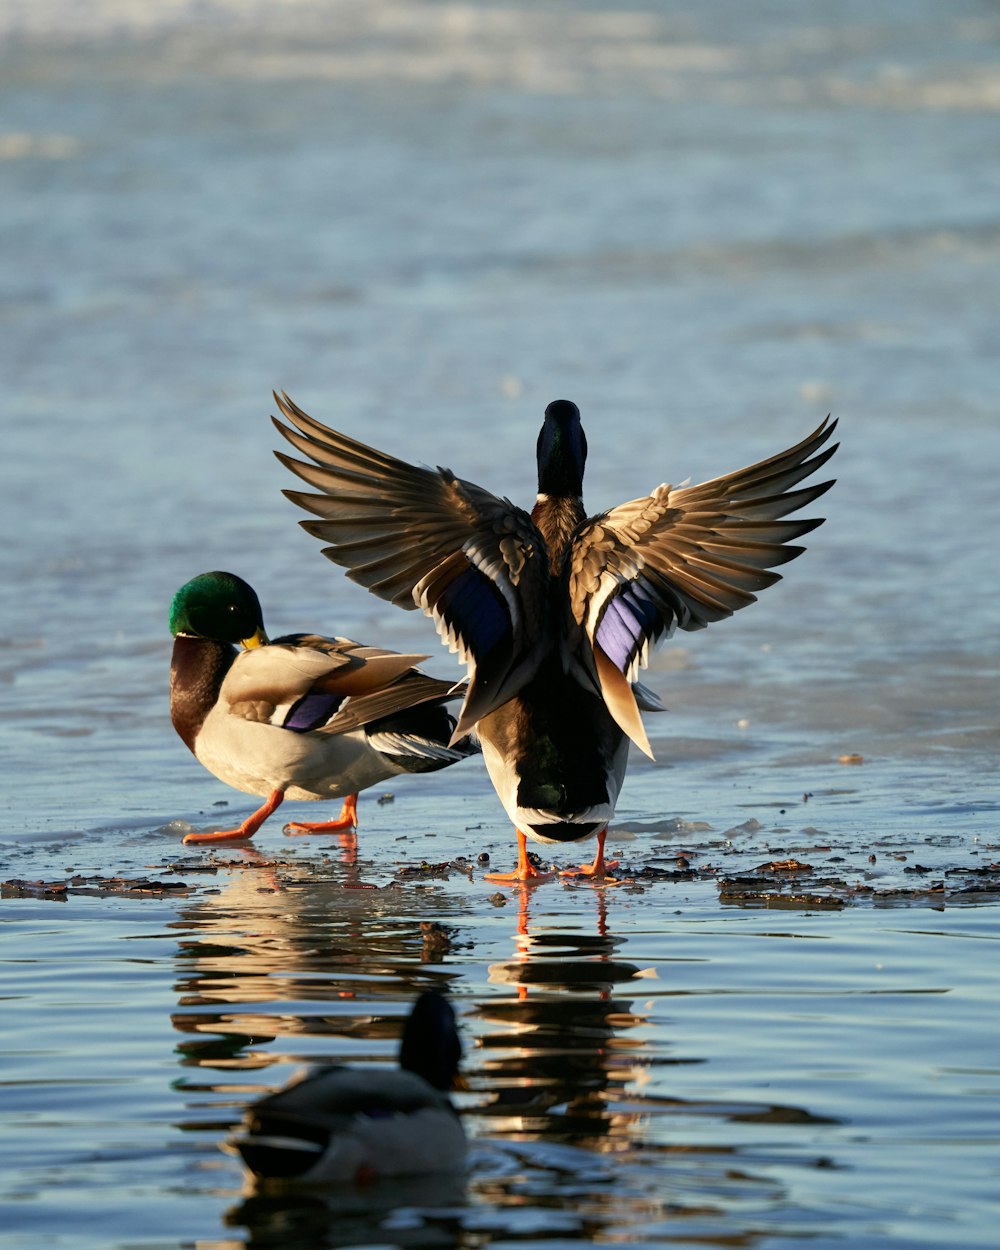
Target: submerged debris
point(439, 940)
point(760, 866)
point(129, 887)
point(33, 889)
point(424, 869)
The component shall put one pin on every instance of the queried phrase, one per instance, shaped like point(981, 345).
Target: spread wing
point(682, 558)
point(419, 537)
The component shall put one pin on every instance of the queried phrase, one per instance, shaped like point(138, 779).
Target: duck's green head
point(430, 1045)
point(562, 451)
point(219, 606)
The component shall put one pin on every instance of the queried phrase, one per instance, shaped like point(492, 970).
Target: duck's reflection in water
point(592, 1141)
point(424, 1211)
point(276, 973)
point(312, 972)
point(557, 1052)
point(577, 1129)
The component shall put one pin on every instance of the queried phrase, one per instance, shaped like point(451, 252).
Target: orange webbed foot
point(533, 876)
point(525, 873)
point(595, 872)
point(217, 835)
point(242, 832)
point(346, 822)
point(598, 870)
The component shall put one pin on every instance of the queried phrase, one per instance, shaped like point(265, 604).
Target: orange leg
point(599, 868)
point(524, 940)
point(348, 819)
point(244, 831)
point(525, 872)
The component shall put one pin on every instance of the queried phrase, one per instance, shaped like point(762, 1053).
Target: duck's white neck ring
point(542, 497)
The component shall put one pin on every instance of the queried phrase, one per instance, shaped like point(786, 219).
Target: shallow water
point(644, 1065)
point(707, 226)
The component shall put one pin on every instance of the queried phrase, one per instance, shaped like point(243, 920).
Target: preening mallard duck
point(303, 716)
point(553, 613)
point(341, 1124)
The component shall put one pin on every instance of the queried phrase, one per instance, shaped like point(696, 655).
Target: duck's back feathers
point(401, 710)
point(299, 663)
point(358, 697)
point(327, 1096)
point(342, 1125)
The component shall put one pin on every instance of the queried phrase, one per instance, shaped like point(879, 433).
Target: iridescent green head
point(219, 606)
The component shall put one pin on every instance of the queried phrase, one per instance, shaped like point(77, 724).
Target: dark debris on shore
point(787, 883)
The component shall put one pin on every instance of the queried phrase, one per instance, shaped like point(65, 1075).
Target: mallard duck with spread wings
point(555, 612)
point(304, 716)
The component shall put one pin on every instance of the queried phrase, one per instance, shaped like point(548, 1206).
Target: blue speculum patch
point(629, 618)
point(476, 608)
point(312, 711)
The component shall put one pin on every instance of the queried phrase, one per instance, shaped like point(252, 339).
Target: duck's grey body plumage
point(553, 612)
point(341, 1124)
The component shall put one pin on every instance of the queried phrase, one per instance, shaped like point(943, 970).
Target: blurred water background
point(709, 225)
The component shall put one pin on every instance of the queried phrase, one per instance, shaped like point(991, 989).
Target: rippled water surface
point(709, 225)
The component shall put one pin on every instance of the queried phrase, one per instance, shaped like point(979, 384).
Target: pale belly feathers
point(258, 758)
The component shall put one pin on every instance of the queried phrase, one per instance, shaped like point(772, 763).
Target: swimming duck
point(553, 612)
point(304, 716)
point(343, 1125)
